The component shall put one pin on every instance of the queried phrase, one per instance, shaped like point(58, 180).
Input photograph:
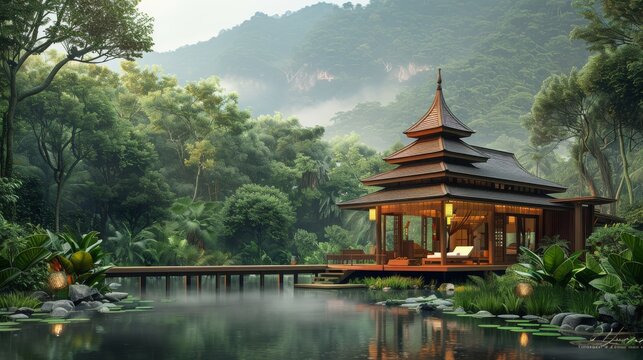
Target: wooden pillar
point(589, 225)
point(199, 284)
point(578, 227)
point(188, 284)
point(228, 282)
point(397, 236)
point(444, 236)
point(217, 284)
point(143, 285)
point(423, 231)
point(280, 281)
point(240, 282)
point(167, 286)
point(384, 258)
point(378, 236)
point(491, 236)
point(295, 278)
point(262, 281)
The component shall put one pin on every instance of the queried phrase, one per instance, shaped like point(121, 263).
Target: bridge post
point(228, 282)
point(240, 282)
point(167, 286)
point(280, 281)
point(143, 285)
point(217, 283)
point(199, 285)
point(188, 284)
point(295, 278)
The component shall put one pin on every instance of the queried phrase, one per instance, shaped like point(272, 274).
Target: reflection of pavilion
point(403, 333)
point(466, 205)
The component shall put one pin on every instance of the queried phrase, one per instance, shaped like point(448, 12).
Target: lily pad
point(465, 315)
point(147, 301)
point(488, 325)
point(551, 334)
point(79, 319)
point(29, 320)
point(550, 326)
point(57, 321)
point(517, 321)
point(529, 325)
point(571, 338)
point(525, 330)
point(453, 312)
point(9, 323)
point(8, 329)
point(509, 328)
point(41, 314)
point(145, 307)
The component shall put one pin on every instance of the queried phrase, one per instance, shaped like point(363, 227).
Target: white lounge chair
point(458, 253)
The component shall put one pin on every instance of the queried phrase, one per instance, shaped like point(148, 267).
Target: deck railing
point(218, 272)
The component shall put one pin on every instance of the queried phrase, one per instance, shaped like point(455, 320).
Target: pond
point(294, 324)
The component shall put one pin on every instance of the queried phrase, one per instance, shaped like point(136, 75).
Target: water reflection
point(300, 325)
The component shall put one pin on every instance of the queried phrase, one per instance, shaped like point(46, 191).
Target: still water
point(299, 324)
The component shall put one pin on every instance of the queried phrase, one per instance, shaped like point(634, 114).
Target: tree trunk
point(626, 167)
point(582, 171)
point(59, 190)
point(196, 183)
point(605, 170)
point(6, 145)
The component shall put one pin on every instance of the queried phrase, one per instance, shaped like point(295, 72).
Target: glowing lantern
point(57, 280)
point(372, 214)
point(448, 210)
point(449, 220)
point(524, 340)
point(523, 290)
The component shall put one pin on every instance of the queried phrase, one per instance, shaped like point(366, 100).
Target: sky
point(183, 22)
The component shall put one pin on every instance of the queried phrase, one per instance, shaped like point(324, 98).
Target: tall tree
point(612, 24)
point(65, 119)
point(90, 31)
point(564, 110)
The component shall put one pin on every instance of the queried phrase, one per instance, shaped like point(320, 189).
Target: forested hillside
point(495, 54)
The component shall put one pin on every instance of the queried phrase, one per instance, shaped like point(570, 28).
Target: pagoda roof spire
point(438, 119)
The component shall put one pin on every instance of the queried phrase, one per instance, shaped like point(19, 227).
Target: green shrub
point(394, 282)
point(18, 300)
point(607, 240)
point(466, 297)
point(545, 300)
point(510, 301)
point(488, 301)
point(581, 302)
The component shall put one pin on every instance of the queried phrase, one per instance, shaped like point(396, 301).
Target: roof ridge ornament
point(439, 79)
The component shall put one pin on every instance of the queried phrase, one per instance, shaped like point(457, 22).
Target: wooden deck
point(420, 268)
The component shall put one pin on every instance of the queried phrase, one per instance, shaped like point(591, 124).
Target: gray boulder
point(83, 305)
point(18, 316)
point(59, 312)
point(50, 305)
point(427, 307)
point(444, 308)
point(442, 302)
point(103, 309)
point(95, 304)
point(558, 318)
point(615, 326)
point(574, 320)
point(114, 286)
point(509, 316)
point(604, 327)
point(483, 314)
point(584, 328)
point(40, 295)
point(566, 327)
point(79, 292)
point(606, 314)
point(118, 296)
point(25, 310)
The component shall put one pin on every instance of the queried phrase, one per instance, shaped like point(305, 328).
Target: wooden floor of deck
point(419, 268)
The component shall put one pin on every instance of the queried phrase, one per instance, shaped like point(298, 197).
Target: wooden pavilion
point(451, 204)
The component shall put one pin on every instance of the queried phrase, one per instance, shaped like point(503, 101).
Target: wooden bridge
point(222, 274)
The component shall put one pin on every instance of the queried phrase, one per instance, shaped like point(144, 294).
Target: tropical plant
point(81, 257)
point(624, 269)
point(554, 267)
point(15, 261)
point(128, 249)
point(607, 240)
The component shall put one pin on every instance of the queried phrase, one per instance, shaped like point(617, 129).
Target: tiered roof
point(439, 164)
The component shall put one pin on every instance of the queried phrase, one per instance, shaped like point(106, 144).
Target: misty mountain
point(371, 69)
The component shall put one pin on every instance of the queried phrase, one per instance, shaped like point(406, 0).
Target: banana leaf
point(609, 283)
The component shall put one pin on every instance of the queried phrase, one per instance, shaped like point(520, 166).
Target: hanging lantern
point(372, 214)
point(448, 210)
point(57, 280)
point(449, 220)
